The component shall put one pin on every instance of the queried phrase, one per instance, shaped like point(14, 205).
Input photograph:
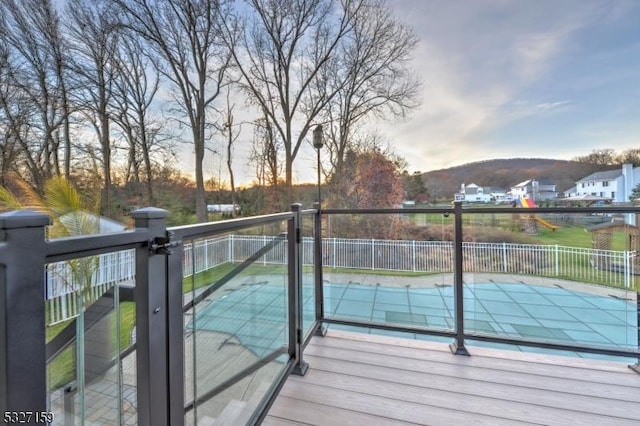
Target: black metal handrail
point(458, 210)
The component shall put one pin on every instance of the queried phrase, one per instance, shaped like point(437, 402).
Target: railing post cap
point(296, 207)
point(150, 213)
point(23, 219)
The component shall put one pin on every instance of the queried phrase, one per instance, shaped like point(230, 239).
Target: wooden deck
point(359, 379)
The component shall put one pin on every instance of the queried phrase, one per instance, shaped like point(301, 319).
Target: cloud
point(480, 61)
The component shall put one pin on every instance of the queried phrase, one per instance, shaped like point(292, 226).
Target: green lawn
point(61, 370)
point(564, 235)
point(571, 236)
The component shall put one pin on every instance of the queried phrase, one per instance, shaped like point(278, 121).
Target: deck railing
point(572, 263)
point(211, 318)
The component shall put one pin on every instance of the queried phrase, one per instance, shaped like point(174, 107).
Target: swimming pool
point(256, 313)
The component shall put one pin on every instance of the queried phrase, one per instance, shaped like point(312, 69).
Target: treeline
point(102, 91)
point(504, 173)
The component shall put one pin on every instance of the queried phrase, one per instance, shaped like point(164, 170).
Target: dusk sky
point(510, 78)
point(503, 79)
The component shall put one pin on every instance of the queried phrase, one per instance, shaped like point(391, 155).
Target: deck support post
point(23, 386)
point(317, 269)
point(296, 337)
point(457, 346)
point(159, 350)
point(636, 367)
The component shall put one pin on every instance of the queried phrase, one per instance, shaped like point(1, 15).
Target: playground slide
point(547, 224)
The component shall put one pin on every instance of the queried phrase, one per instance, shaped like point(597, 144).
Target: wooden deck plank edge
point(512, 355)
point(499, 364)
point(303, 408)
point(567, 402)
point(379, 406)
point(556, 385)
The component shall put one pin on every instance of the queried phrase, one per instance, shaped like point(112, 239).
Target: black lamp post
point(317, 144)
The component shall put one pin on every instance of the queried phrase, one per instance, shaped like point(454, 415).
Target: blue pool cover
point(256, 314)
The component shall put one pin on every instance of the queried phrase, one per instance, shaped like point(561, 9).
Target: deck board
point(363, 379)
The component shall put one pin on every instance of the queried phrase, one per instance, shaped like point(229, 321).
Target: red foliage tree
point(378, 182)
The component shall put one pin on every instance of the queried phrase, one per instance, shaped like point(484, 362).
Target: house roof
point(602, 176)
point(529, 181)
point(525, 183)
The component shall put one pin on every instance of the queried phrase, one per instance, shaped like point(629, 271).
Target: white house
point(473, 193)
point(537, 190)
point(615, 184)
point(571, 192)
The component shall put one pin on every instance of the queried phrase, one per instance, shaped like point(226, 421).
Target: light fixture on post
point(318, 142)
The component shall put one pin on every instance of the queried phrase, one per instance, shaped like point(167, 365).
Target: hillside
point(505, 173)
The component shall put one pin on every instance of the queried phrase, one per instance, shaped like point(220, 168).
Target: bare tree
point(9, 149)
point(230, 130)
point(266, 158)
point(12, 119)
point(630, 156)
point(600, 157)
point(373, 75)
point(94, 39)
point(266, 153)
point(185, 36)
point(136, 85)
point(36, 105)
point(282, 55)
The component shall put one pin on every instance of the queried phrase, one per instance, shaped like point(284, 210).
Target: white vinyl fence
point(64, 281)
point(613, 268)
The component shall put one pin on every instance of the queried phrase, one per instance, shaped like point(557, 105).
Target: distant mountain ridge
point(505, 173)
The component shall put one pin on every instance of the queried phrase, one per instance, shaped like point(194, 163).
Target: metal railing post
point(160, 391)
point(295, 292)
point(175, 333)
point(23, 363)
point(317, 268)
point(457, 347)
point(636, 367)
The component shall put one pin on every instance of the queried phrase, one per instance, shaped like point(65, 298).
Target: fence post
point(457, 347)
point(505, 260)
point(413, 255)
point(23, 365)
point(295, 292)
point(334, 252)
point(627, 269)
point(317, 268)
point(160, 391)
point(373, 255)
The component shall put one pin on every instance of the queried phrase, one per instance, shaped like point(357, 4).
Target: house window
point(582, 185)
point(602, 194)
point(613, 194)
point(605, 183)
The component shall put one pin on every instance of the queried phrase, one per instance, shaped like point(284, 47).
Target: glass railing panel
point(308, 273)
point(556, 278)
point(389, 269)
point(237, 404)
point(238, 317)
point(90, 332)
